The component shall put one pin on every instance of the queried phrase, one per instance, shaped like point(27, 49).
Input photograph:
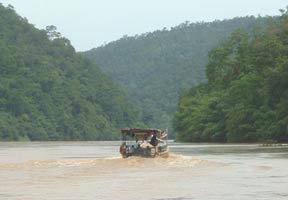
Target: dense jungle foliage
point(155, 68)
point(49, 92)
point(246, 97)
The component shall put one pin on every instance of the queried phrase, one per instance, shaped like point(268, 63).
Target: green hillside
point(246, 97)
point(49, 92)
point(155, 68)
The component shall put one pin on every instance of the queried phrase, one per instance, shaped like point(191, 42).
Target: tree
point(245, 99)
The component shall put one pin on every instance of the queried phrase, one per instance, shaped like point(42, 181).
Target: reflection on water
point(94, 170)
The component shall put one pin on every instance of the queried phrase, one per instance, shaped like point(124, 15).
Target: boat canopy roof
point(139, 131)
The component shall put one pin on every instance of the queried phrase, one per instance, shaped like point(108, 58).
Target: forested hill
point(246, 97)
point(49, 92)
point(156, 67)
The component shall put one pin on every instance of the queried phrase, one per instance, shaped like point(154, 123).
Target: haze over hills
point(50, 92)
point(155, 68)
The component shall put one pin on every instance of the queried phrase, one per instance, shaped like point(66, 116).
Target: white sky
point(91, 23)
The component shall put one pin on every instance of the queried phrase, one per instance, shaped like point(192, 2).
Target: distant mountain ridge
point(155, 68)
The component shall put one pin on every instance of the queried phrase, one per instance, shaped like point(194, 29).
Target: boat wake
point(173, 161)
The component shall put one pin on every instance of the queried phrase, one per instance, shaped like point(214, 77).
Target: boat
point(144, 143)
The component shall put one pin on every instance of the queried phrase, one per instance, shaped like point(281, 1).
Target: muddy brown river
point(95, 170)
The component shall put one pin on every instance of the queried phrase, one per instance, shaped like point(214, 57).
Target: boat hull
point(148, 152)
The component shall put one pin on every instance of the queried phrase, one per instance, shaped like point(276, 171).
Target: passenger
point(154, 140)
point(164, 135)
point(123, 148)
point(132, 149)
point(138, 145)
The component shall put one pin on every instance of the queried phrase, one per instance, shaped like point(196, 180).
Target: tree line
point(245, 99)
point(50, 92)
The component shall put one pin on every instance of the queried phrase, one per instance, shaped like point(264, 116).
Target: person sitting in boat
point(154, 140)
point(123, 148)
point(164, 134)
point(132, 149)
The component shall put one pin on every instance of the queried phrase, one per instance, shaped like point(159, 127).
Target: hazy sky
point(91, 23)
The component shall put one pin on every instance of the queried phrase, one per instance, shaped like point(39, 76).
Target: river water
point(94, 170)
